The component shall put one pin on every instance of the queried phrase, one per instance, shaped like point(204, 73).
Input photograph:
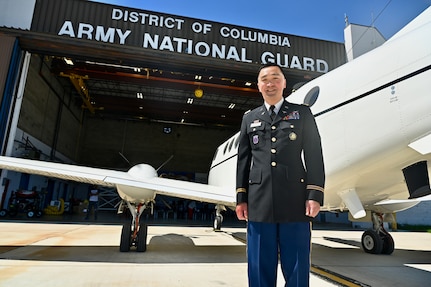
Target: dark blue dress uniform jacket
point(272, 177)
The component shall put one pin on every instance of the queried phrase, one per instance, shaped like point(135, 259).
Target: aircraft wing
point(112, 178)
point(396, 205)
point(193, 190)
point(59, 170)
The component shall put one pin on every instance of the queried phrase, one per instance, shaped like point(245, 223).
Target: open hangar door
point(143, 104)
point(114, 114)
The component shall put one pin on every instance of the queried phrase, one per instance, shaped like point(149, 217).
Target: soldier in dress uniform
point(280, 182)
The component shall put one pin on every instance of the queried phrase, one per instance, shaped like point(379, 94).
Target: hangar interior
point(109, 103)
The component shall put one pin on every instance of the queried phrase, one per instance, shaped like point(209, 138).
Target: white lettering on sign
point(234, 40)
point(146, 19)
point(306, 63)
point(87, 31)
point(199, 28)
point(253, 36)
point(187, 46)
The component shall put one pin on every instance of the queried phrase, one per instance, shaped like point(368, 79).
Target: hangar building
point(109, 86)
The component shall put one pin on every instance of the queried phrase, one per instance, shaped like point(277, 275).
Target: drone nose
point(142, 171)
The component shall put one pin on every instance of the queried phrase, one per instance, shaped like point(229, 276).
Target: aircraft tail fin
point(417, 180)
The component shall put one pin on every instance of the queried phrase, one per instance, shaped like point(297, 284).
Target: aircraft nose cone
point(141, 171)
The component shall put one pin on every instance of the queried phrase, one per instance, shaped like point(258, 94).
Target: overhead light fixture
point(137, 70)
point(231, 106)
point(199, 93)
point(139, 95)
point(197, 77)
point(248, 84)
point(68, 61)
point(190, 101)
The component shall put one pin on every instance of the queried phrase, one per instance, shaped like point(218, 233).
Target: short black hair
point(267, 65)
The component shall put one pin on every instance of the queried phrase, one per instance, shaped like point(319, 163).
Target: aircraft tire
point(141, 244)
point(388, 244)
point(371, 242)
point(125, 238)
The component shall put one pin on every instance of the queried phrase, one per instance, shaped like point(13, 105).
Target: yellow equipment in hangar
point(81, 88)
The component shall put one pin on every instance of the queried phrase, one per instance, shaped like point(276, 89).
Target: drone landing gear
point(134, 233)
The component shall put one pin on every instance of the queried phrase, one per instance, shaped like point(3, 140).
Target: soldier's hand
point(242, 211)
point(312, 208)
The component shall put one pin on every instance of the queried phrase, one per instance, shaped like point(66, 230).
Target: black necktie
point(272, 113)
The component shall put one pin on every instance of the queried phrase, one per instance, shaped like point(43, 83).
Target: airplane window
point(237, 142)
point(231, 144)
point(311, 96)
point(215, 154)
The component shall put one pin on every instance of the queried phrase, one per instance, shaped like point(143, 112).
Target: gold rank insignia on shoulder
point(292, 136)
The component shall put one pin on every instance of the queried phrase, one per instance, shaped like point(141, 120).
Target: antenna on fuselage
point(125, 158)
point(163, 164)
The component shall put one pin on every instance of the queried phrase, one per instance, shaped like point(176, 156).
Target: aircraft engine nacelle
point(416, 176)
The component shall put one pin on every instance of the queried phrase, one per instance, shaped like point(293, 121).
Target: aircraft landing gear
point(135, 233)
point(218, 220)
point(141, 239)
point(126, 235)
point(377, 240)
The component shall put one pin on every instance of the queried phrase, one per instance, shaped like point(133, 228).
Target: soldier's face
point(271, 83)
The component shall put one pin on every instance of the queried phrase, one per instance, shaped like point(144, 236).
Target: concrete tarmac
point(87, 254)
point(48, 254)
point(339, 251)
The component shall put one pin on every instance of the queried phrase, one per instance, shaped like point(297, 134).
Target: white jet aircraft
point(374, 117)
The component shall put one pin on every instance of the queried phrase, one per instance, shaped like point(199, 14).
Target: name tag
point(255, 124)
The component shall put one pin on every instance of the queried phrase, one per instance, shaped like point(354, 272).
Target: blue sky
point(320, 19)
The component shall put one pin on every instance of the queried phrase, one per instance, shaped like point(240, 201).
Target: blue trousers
point(266, 241)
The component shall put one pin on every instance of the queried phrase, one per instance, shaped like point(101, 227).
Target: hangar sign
point(176, 34)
